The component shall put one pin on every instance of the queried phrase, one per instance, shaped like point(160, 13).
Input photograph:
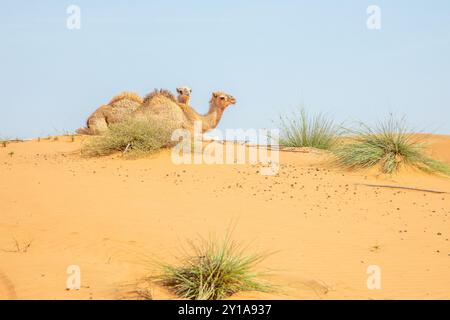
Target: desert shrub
point(389, 144)
point(214, 270)
point(302, 130)
point(132, 136)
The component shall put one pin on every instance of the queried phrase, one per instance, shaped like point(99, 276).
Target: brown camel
point(184, 95)
point(162, 106)
point(119, 108)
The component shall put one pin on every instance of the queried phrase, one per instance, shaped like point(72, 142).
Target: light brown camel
point(184, 95)
point(119, 108)
point(162, 106)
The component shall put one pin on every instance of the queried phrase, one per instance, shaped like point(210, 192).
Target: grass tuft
point(20, 247)
point(214, 270)
point(134, 137)
point(303, 130)
point(388, 144)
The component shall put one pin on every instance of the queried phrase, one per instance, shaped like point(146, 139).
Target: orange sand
point(116, 218)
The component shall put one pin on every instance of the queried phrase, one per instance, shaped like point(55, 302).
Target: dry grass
point(20, 247)
point(302, 130)
point(132, 137)
point(214, 270)
point(388, 144)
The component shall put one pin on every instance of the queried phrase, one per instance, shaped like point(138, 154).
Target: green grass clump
point(133, 137)
point(215, 270)
point(303, 130)
point(388, 144)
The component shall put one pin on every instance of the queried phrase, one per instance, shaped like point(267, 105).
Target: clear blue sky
point(271, 55)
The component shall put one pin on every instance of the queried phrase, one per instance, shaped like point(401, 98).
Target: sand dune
point(116, 218)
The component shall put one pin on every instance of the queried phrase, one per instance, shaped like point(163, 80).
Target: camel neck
point(213, 117)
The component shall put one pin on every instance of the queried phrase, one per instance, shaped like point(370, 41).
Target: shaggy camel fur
point(163, 106)
point(119, 108)
point(160, 105)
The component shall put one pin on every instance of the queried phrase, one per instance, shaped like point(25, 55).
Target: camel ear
point(178, 90)
point(215, 94)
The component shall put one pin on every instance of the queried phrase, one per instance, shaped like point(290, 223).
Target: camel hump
point(159, 93)
point(83, 131)
point(126, 96)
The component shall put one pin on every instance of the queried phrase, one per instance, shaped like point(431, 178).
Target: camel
point(184, 95)
point(161, 105)
point(119, 108)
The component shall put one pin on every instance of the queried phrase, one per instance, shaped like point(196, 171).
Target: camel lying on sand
point(160, 105)
point(119, 108)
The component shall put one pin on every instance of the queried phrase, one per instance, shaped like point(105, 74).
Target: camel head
point(222, 100)
point(184, 94)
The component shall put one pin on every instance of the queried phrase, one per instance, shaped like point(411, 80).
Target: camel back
point(128, 96)
point(158, 93)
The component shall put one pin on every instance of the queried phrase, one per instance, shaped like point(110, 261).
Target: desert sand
point(117, 218)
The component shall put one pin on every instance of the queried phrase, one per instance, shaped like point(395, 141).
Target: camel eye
point(222, 98)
